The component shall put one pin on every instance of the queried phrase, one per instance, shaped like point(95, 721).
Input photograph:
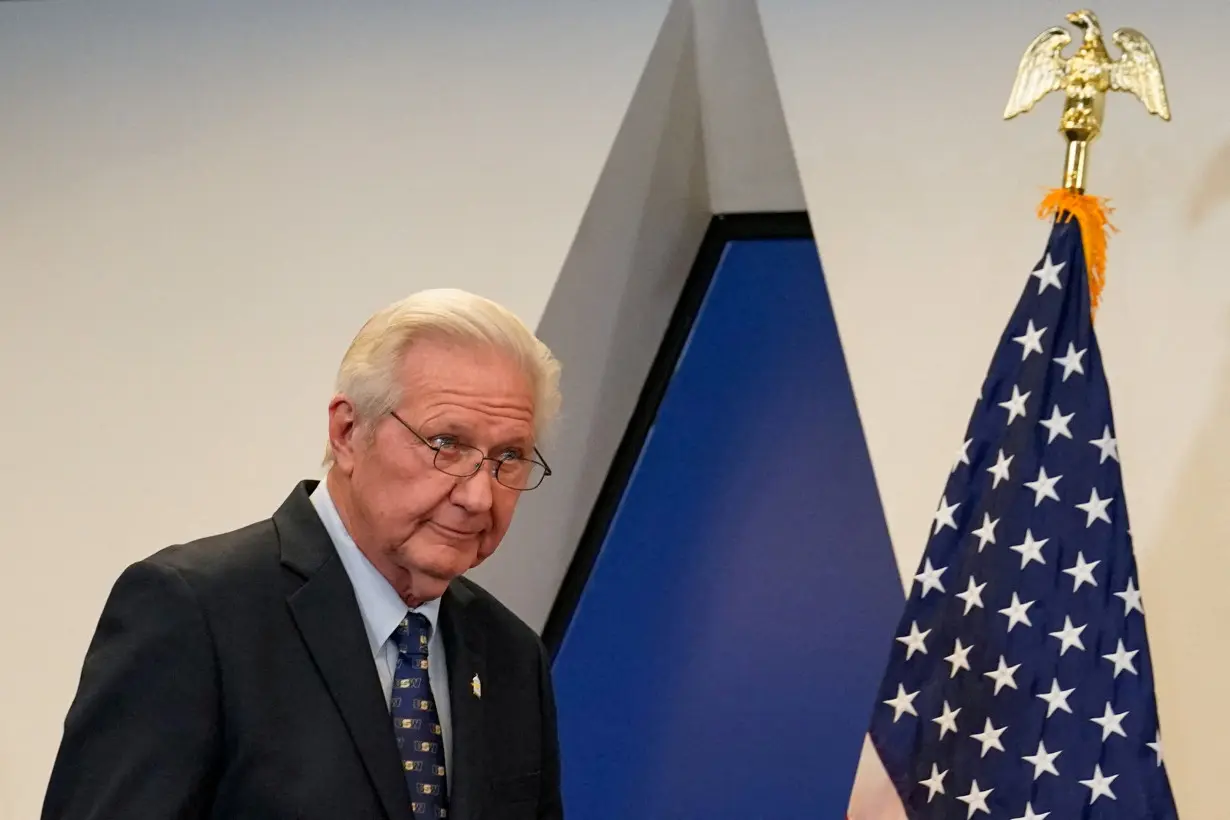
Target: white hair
point(368, 374)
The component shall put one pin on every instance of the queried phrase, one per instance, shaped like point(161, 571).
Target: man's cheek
point(486, 548)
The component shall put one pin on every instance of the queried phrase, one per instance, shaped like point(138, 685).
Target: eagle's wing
point(1040, 71)
point(1139, 72)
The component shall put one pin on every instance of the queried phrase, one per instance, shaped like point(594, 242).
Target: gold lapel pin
point(476, 686)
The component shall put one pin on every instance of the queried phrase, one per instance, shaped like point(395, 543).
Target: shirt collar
point(379, 604)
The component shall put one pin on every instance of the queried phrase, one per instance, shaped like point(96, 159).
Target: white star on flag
point(959, 659)
point(1015, 405)
point(1057, 424)
point(1017, 612)
point(1122, 659)
point(976, 799)
point(1107, 445)
point(934, 783)
point(1111, 723)
point(1043, 761)
point(1071, 361)
point(1030, 341)
point(1003, 675)
point(1069, 636)
point(1095, 508)
point(1030, 814)
point(986, 533)
point(1057, 698)
point(1082, 572)
point(943, 515)
point(989, 737)
point(1043, 486)
point(947, 720)
point(930, 579)
point(916, 641)
point(962, 455)
point(972, 596)
point(1156, 746)
point(1099, 784)
point(1131, 599)
point(1030, 549)
point(1000, 468)
point(903, 703)
point(1048, 275)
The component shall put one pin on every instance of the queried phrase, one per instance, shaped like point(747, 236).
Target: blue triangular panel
point(725, 652)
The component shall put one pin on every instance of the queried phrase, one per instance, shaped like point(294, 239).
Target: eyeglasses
point(462, 461)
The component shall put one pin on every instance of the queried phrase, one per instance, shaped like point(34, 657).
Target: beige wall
point(200, 202)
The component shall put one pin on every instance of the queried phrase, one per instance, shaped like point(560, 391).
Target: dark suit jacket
point(231, 678)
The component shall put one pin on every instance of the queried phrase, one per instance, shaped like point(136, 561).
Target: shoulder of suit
point(496, 613)
point(223, 557)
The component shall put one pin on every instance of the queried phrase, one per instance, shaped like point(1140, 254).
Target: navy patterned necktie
point(416, 722)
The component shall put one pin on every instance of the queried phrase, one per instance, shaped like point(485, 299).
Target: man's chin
point(439, 564)
point(423, 586)
point(481, 555)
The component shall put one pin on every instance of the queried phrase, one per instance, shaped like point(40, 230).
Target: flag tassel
point(1093, 215)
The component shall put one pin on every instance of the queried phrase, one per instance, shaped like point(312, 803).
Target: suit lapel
point(463, 645)
point(327, 616)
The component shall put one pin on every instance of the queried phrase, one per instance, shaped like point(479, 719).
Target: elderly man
point(331, 662)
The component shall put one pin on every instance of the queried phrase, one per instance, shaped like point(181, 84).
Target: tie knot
point(412, 634)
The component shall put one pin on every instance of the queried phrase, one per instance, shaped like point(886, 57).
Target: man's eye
point(443, 442)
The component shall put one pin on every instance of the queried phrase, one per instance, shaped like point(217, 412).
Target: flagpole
point(1084, 78)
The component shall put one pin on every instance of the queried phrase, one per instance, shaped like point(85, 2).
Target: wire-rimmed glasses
point(462, 461)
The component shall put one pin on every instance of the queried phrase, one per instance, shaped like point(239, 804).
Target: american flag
point(1019, 684)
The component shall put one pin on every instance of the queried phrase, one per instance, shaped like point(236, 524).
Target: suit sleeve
point(551, 805)
point(141, 738)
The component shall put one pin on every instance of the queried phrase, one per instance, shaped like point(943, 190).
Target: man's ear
point(343, 432)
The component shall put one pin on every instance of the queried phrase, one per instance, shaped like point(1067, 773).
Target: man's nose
point(474, 493)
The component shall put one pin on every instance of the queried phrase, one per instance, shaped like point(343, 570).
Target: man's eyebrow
point(465, 434)
point(444, 426)
point(521, 442)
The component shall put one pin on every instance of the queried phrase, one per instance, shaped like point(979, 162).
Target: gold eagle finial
point(1085, 77)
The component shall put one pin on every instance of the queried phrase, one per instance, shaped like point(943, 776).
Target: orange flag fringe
point(1093, 215)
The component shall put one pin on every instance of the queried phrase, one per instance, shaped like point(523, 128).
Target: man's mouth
point(453, 532)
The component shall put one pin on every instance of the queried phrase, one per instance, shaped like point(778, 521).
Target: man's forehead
point(474, 391)
point(474, 415)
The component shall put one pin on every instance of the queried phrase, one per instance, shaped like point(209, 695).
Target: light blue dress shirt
point(383, 610)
